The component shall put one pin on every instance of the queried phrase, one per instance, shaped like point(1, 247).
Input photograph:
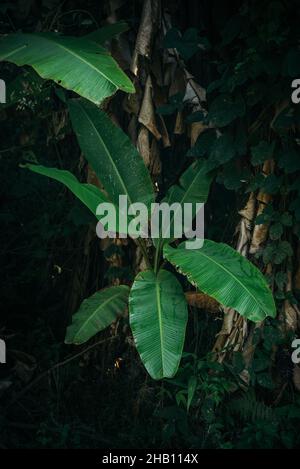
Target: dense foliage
point(207, 86)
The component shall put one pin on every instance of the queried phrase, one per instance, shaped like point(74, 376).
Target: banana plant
point(158, 311)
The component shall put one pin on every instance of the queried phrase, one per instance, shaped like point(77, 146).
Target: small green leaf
point(223, 148)
point(187, 44)
point(193, 188)
point(276, 231)
point(175, 103)
point(266, 216)
point(225, 109)
point(277, 252)
point(261, 364)
point(262, 152)
point(285, 120)
point(286, 219)
point(197, 116)
point(96, 313)
point(203, 144)
point(265, 380)
point(232, 176)
point(281, 279)
point(289, 160)
point(271, 184)
point(192, 386)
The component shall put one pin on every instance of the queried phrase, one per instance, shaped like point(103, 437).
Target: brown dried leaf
point(155, 163)
point(150, 19)
point(164, 132)
point(147, 114)
point(195, 93)
point(132, 129)
point(179, 124)
point(202, 301)
point(143, 145)
point(196, 129)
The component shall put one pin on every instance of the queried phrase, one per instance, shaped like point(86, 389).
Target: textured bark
point(234, 328)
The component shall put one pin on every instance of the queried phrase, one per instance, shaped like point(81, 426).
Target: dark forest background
point(98, 395)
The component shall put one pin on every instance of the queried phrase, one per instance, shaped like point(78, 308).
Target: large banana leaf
point(90, 195)
point(193, 188)
point(158, 316)
point(111, 154)
point(77, 64)
point(96, 313)
point(225, 275)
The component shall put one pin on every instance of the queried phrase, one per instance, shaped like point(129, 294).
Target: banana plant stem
point(157, 258)
point(142, 246)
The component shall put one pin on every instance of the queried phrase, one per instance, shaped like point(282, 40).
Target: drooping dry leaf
point(178, 82)
point(194, 93)
point(150, 20)
point(291, 315)
point(132, 129)
point(170, 70)
point(147, 114)
point(155, 163)
point(202, 301)
point(179, 124)
point(196, 128)
point(164, 132)
point(143, 145)
point(132, 102)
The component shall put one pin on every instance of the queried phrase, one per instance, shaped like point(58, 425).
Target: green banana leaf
point(193, 187)
point(96, 313)
point(89, 194)
point(77, 64)
point(158, 317)
point(111, 154)
point(222, 273)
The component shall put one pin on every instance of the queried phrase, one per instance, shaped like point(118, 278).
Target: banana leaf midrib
point(159, 313)
point(109, 156)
